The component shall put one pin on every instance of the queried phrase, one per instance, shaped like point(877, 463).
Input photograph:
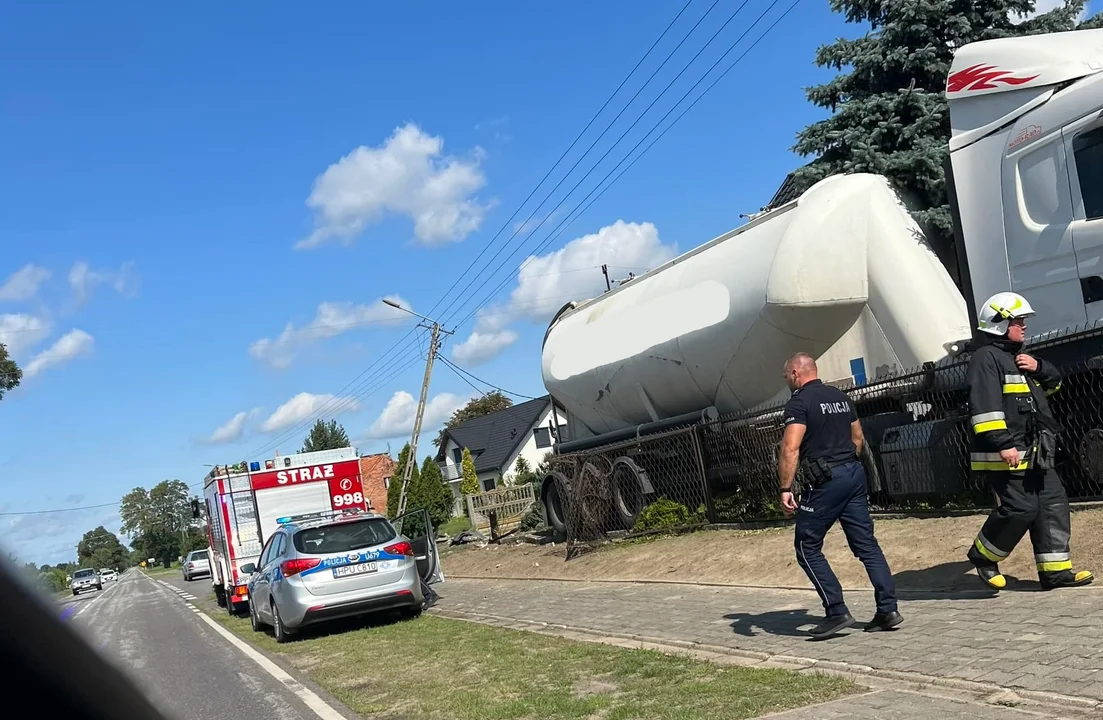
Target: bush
point(534, 518)
point(456, 525)
point(664, 514)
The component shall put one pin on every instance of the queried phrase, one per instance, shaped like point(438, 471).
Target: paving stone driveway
point(1041, 641)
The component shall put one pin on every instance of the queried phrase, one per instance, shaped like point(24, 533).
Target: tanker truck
point(843, 272)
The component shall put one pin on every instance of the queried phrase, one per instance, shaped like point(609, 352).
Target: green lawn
point(432, 668)
point(161, 571)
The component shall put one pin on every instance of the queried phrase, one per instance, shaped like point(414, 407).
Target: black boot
point(884, 621)
point(1065, 579)
point(988, 571)
point(831, 626)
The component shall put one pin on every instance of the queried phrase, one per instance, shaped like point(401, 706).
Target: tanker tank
point(843, 273)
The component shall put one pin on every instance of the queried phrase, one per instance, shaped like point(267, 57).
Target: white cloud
point(84, 280)
point(406, 175)
point(482, 346)
point(20, 332)
point(301, 407)
point(397, 418)
point(72, 344)
point(233, 429)
point(52, 537)
point(330, 320)
point(546, 282)
point(23, 284)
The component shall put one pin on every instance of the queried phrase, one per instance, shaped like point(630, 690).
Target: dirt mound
point(924, 554)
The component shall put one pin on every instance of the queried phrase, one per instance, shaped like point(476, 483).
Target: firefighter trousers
point(1030, 501)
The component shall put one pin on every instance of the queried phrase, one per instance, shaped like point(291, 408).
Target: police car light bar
point(318, 515)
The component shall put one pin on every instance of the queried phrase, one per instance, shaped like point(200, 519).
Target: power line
point(61, 510)
point(574, 215)
point(458, 369)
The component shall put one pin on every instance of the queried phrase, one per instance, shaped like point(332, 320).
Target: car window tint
point(343, 537)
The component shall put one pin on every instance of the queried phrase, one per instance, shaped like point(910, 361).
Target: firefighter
point(823, 435)
point(1013, 446)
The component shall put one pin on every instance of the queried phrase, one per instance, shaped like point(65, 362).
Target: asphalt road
point(188, 669)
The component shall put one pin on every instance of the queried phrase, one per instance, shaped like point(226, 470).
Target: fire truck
point(245, 502)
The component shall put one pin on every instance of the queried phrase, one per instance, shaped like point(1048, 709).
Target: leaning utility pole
point(435, 331)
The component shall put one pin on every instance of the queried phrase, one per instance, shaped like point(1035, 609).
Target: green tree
point(394, 490)
point(326, 436)
point(432, 493)
point(10, 374)
point(470, 483)
point(101, 548)
point(889, 110)
point(477, 407)
point(158, 520)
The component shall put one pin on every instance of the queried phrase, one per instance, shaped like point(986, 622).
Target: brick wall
point(374, 469)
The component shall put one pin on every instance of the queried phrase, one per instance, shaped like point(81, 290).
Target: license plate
point(360, 569)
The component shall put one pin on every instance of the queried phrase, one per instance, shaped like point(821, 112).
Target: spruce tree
point(394, 490)
point(888, 104)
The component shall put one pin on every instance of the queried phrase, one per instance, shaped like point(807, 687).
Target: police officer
point(823, 434)
point(1013, 445)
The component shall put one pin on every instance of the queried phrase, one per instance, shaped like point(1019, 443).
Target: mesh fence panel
point(917, 433)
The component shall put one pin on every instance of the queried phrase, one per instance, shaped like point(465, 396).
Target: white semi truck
point(843, 272)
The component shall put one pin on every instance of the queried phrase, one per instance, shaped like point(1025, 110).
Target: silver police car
point(331, 565)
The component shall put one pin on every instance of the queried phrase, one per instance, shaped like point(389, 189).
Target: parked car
point(346, 564)
point(196, 564)
point(86, 579)
point(108, 574)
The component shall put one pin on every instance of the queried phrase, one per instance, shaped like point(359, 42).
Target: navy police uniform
point(827, 413)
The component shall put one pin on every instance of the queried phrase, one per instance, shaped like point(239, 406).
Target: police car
point(332, 565)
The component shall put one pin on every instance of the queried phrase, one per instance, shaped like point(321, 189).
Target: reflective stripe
point(1015, 388)
point(1014, 379)
point(988, 550)
point(990, 426)
point(1050, 557)
point(1055, 566)
point(993, 461)
point(1053, 389)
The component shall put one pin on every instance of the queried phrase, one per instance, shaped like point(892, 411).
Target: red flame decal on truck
point(983, 77)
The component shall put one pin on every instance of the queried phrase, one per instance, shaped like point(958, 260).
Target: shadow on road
point(781, 622)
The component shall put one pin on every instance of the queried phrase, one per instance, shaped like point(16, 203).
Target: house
point(375, 475)
point(496, 441)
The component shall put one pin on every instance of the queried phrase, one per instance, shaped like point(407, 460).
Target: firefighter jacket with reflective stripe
point(1006, 406)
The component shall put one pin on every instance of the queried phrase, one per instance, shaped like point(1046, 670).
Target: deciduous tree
point(490, 403)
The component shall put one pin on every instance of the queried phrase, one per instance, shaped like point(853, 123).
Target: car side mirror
point(248, 568)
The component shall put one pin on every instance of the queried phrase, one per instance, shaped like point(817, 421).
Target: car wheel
point(254, 621)
point(281, 633)
point(100, 586)
point(413, 612)
point(75, 593)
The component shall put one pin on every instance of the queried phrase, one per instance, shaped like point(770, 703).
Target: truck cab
point(1028, 111)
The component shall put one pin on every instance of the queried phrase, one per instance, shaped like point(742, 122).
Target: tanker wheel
point(592, 507)
point(553, 493)
point(628, 481)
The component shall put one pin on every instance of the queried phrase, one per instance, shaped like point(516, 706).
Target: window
point(344, 537)
point(489, 484)
point(457, 455)
point(543, 437)
point(1088, 151)
point(83, 574)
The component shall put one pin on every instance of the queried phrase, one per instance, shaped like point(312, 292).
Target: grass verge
point(433, 668)
point(160, 571)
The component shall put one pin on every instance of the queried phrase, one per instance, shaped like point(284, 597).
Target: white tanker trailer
point(845, 273)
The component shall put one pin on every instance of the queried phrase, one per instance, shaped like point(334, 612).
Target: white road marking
point(320, 707)
point(96, 599)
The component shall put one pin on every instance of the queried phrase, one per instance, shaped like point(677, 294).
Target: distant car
point(351, 564)
point(86, 579)
point(108, 574)
point(196, 564)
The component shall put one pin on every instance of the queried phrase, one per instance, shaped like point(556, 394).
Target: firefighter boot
point(1065, 578)
point(988, 571)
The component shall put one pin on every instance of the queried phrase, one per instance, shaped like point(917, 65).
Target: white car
point(109, 574)
point(196, 564)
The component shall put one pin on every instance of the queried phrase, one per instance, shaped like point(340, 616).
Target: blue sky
point(202, 209)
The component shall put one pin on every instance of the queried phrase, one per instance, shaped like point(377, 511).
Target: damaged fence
point(917, 431)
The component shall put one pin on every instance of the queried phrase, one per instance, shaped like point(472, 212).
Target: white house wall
point(528, 450)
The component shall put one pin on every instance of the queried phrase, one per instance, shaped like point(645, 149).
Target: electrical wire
point(458, 369)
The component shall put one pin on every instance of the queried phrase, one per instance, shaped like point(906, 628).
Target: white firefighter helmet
point(998, 310)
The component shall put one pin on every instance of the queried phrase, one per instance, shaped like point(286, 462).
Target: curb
point(916, 594)
point(978, 692)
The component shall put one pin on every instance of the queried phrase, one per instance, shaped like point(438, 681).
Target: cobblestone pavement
point(1038, 641)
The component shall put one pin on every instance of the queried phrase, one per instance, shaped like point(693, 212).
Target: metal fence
point(917, 448)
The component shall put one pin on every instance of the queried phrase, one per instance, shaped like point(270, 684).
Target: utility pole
point(435, 331)
point(605, 272)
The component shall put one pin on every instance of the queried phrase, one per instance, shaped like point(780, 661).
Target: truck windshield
point(344, 537)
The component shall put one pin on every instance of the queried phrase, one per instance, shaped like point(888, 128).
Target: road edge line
point(319, 706)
